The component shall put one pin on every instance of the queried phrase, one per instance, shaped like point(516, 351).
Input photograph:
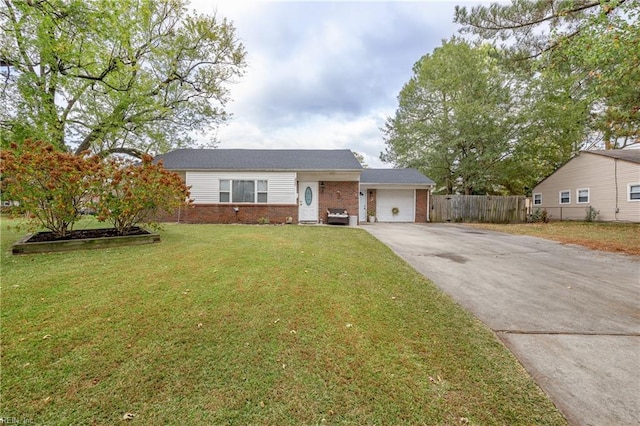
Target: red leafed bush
point(138, 192)
point(56, 187)
point(53, 186)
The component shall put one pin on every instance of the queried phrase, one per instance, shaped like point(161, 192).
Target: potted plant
point(372, 215)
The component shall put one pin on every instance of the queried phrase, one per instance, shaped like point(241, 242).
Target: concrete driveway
point(569, 314)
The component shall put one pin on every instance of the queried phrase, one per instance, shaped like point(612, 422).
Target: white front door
point(307, 201)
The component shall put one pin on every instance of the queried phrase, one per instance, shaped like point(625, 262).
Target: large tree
point(596, 42)
point(453, 121)
point(131, 76)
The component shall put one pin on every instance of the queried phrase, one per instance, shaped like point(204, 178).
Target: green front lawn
point(227, 324)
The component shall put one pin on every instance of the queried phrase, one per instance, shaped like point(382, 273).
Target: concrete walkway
point(569, 314)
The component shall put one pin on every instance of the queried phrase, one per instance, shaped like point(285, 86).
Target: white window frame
point(256, 193)
point(629, 186)
point(560, 196)
point(539, 201)
point(226, 190)
point(578, 196)
point(260, 192)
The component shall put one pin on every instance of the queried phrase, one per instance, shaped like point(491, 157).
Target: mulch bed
point(84, 234)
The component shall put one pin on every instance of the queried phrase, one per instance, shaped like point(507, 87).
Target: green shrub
point(539, 216)
point(591, 214)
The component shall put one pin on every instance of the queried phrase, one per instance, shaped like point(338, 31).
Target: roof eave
point(421, 185)
point(191, 169)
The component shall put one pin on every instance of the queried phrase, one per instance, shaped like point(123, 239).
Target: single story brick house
point(296, 185)
point(608, 181)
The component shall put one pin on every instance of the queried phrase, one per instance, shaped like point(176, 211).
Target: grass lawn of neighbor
point(607, 236)
point(236, 324)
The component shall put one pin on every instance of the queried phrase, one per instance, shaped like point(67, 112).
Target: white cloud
point(325, 74)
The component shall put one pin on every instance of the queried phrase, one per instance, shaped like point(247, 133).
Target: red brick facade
point(338, 195)
point(225, 213)
point(421, 205)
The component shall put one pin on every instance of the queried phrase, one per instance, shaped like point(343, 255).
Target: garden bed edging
point(24, 246)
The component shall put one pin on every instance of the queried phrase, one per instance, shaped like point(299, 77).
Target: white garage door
point(403, 199)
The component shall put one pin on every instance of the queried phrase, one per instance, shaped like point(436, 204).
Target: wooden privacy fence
point(478, 208)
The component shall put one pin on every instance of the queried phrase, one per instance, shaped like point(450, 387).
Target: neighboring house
point(251, 185)
point(608, 181)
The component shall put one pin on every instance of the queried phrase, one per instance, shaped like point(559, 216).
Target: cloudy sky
point(325, 74)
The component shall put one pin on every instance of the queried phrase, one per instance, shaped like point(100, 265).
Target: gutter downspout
point(615, 178)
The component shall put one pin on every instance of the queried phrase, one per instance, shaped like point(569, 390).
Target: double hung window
point(537, 199)
point(243, 191)
point(582, 195)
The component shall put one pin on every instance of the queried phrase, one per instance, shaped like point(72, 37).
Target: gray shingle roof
point(260, 159)
point(632, 155)
point(394, 176)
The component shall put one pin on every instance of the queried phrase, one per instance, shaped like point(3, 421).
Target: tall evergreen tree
point(596, 42)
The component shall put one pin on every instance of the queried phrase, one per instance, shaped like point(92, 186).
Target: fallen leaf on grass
point(464, 420)
point(293, 332)
point(199, 325)
point(46, 336)
point(438, 380)
point(128, 416)
point(349, 325)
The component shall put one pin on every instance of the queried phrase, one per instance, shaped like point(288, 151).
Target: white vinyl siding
point(205, 186)
point(565, 197)
point(202, 189)
point(403, 199)
point(582, 196)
